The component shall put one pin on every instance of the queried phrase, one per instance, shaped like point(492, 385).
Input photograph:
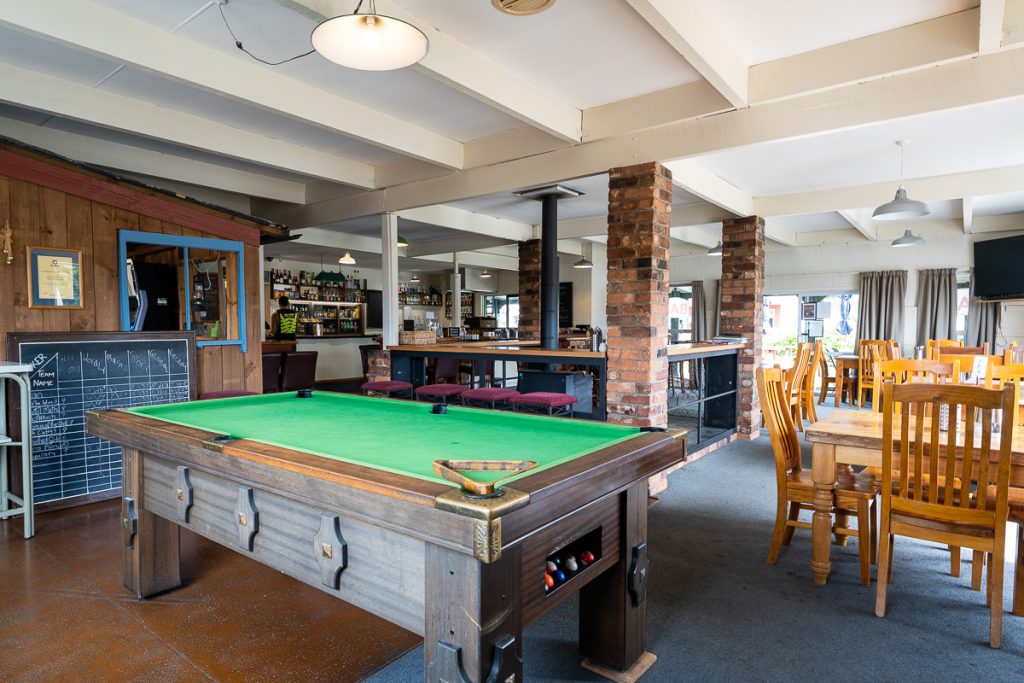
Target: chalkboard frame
point(16, 339)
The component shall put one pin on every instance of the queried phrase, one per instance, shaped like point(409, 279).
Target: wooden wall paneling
point(210, 375)
point(79, 222)
point(104, 268)
point(25, 224)
point(53, 232)
point(253, 360)
point(7, 272)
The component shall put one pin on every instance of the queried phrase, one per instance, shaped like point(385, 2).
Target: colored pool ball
point(558, 576)
point(586, 557)
point(549, 581)
point(570, 563)
point(550, 566)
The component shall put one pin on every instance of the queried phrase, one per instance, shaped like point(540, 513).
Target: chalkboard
point(94, 371)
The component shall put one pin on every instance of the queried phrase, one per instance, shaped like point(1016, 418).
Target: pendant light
point(347, 260)
point(716, 250)
point(584, 262)
point(402, 242)
point(909, 239)
point(414, 279)
point(901, 208)
point(485, 273)
point(370, 41)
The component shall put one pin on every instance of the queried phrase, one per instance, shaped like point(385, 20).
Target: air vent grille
point(521, 8)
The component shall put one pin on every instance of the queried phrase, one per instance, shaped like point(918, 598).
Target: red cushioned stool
point(491, 395)
point(439, 392)
point(556, 404)
point(388, 387)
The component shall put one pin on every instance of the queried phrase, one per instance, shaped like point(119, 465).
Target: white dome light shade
point(370, 42)
point(716, 250)
point(909, 239)
point(901, 208)
point(347, 260)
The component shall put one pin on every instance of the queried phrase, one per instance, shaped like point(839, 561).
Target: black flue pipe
point(549, 272)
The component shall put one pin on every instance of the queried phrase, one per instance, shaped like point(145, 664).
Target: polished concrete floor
point(64, 615)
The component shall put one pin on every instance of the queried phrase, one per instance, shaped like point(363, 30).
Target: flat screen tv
point(999, 269)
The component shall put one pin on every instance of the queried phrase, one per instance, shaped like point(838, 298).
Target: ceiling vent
point(522, 8)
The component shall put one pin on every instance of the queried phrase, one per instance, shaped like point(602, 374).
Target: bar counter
point(705, 400)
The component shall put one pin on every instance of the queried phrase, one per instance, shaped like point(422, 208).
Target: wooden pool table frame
point(467, 577)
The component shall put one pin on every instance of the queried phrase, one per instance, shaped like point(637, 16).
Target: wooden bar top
point(699, 348)
point(525, 349)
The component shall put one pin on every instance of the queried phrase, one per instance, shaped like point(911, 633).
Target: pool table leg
point(613, 607)
point(151, 543)
point(474, 616)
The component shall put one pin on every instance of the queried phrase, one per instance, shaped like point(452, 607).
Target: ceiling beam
point(450, 244)
point(89, 27)
point(686, 101)
point(697, 180)
point(990, 25)
point(861, 220)
point(686, 26)
point(1013, 22)
point(967, 205)
point(692, 235)
point(987, 78)
point(596, 227)
point(473, 74)
point(935, 188)
point(918, 46)
point(127, 158)
point(467, 221)
point(38, 91)
point(784, 236)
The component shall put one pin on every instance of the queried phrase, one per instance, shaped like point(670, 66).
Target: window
point(170, 282)
point(680, 313)
point(963, 303)
point(504, 309)
point(785, 323)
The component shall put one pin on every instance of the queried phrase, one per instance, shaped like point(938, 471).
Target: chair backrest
point(299, 370)
point(794, 376)
point(779, 419)
point(272, 372)
point(965, 350)
point(912, 372)
point(817, 361)
point(868, 351)
point(933, 347)
point(922, 450)
point(894, 350)
point(998, 376)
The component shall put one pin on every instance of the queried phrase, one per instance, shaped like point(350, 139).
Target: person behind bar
point(284, 321)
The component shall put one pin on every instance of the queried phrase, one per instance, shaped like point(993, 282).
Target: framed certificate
point(54, 277)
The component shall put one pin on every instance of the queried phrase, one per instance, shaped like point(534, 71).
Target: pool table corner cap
point(485, 509)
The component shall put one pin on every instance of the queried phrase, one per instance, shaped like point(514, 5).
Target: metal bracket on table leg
point(330, 550)
point(638, 574)
point(129, 520)
point(183, 494)
point(247, 517)
point(447, 664)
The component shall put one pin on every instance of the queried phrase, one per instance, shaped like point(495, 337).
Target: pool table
point(339, 492)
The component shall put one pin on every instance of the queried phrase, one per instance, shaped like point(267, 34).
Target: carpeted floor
point(717, 612)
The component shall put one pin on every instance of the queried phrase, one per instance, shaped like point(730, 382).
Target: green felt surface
point(396, 436)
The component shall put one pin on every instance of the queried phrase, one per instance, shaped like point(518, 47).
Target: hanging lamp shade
point(370, 41)
point(485, 273)
point(402, 242)
point(901, 208)
point(347, 260)
point(414, 279)
point(716, 250)
point(584, 262)
point(909, 239)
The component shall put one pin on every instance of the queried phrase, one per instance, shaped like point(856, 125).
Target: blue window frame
point(183, 243)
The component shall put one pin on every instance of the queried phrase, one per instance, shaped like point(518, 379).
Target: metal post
point(549, 272)
point(389, 275)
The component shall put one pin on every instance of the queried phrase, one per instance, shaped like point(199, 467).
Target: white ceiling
point(505, 103)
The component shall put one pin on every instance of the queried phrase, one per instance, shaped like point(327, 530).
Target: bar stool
point(388, 387)
point(554, 403)
point(444, 393)
point(489, 395)
point(17, 373)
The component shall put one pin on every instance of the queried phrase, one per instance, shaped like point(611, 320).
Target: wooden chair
point(854, 495)
point(966, 350)
point(912, 372)
point(998, 375)
point(940, 513)
point(826, 379)
point(793, 382)
point(933, 347)
point(868, 352)
point(817, 359)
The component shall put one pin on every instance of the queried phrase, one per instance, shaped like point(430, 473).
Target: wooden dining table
point(846, 366)
point(848, 437)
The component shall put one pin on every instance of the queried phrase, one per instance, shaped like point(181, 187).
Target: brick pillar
point(378, 366)
point(529, 289)
point(742, 296)
point(639, 208)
